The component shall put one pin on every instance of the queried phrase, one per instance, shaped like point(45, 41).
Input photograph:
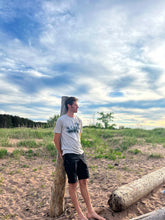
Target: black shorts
point(75, 166)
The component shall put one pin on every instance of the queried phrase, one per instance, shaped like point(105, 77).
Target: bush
point(17, 153)
point(86, 142)
point(156, 156)
point(3, 152)
point(52, 149)
point(27, 143)
point(136, 151)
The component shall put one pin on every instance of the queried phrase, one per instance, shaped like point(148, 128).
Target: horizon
point(109, 54)
point(87, 125)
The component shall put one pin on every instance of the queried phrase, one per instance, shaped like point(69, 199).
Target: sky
point(108, 53)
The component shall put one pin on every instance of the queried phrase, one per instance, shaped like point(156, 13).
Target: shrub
point(86, 142)
point(110, 166)
point(52, 149)
point(30, 153)
point(135, 151)
point(27, 143)
point(3, 152)
point(17, 153)
point(155, 156)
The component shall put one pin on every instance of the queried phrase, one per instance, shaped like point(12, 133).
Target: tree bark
point(130, 193)
point(58, 188)
point(158, 214)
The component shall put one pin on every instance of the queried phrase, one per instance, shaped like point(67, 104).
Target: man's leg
point(73, 196)
point(85, 194)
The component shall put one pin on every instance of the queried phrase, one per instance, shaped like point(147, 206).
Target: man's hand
point(60, 154)
point(57, 141)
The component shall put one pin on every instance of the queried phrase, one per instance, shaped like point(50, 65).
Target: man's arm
point(57, 141)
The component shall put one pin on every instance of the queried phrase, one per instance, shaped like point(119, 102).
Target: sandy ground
point(25, 185)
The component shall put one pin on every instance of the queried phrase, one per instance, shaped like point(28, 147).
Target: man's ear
point(68, 105)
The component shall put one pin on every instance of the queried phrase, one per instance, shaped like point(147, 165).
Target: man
point(67, 140)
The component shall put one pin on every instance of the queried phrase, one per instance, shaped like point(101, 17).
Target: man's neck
point(70, 114)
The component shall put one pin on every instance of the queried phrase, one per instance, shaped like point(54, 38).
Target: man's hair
point(70, 101)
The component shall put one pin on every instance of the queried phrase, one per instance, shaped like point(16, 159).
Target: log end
point(115, 202)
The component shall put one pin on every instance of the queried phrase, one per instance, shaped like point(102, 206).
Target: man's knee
point(72, 186)
point(83, 182)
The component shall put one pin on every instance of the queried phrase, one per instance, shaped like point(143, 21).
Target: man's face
point(74, 107)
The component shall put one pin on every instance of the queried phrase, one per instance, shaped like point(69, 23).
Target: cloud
point(108, 53)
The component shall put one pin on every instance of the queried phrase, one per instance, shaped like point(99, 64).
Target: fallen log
point(158, 214)
point(130, 193)
point(59, 183)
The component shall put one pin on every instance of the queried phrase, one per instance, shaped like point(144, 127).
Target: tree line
point(10, 121)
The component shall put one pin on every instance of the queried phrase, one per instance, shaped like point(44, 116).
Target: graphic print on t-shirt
point(73, 129)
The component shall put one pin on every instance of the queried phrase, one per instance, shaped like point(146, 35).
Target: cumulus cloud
point(109, 54)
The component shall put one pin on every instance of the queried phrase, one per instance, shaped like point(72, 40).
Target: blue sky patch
point(116, 94)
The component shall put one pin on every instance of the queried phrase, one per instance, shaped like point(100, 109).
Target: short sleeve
point(58, 126)
point(80, 125)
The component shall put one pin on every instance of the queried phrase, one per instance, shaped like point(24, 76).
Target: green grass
point(28, 138)
point(34, 170)
point(112, 144)
point(3, 153)
point(28, 144)
point(25, 166)
point(1, 180)
point(98, 143)
point(5, 142)
point(17, 153)
point(156, 156)
point(93, 167)
point(43, 186)
point(30, 153)
point(26, 133)
point(86, 142)
point(52, 149)
point(135, 151)
point(9, 216)
point(125, 168)
point(110, 166)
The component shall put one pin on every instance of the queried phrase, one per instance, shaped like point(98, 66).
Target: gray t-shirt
point(69, 128)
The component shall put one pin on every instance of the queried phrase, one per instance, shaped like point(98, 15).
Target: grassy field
point(101, 143)
point(113, 144)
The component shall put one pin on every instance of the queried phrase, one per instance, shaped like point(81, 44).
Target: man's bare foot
point(82, 217)
point(93, 214)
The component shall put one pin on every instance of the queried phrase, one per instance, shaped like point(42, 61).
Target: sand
point(25, 185)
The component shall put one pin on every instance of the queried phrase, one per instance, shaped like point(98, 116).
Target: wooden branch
point(58, 188)
point(130, 193)
point(158, 214)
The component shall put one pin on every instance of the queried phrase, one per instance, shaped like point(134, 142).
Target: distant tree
point(106, 118)
point(98, 125)
point(9, 121)
point(121, 127)
point(16, 121)
point(5, 121)
point(52, 120)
